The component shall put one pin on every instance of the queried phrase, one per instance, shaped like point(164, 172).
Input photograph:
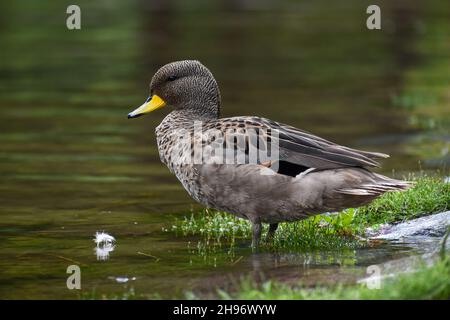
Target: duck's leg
point(256, 229)
point(272, 228)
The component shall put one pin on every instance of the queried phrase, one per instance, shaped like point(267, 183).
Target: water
point(71, 163)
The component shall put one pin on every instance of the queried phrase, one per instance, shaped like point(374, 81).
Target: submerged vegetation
point(335, 231)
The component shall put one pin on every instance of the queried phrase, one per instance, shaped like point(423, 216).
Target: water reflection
point(103, 251)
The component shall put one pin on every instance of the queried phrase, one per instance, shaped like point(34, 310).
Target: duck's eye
point(172, 78)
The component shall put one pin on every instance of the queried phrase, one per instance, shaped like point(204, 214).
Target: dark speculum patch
point(289, 168)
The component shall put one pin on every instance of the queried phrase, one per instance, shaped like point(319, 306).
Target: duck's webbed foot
point(256, 229)
point(270, 234)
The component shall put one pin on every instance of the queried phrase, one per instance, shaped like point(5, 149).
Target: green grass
point(325, 232)
point(431, 282)
point(429, 195)
point(319, 232)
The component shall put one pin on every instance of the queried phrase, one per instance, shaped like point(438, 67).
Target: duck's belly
point(242, 190)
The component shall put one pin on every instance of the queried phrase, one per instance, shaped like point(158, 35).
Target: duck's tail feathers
point(381, 185)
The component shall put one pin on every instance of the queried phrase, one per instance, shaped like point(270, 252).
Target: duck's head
point(186, 85)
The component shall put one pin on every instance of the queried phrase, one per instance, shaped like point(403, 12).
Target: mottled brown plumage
point(312, 175)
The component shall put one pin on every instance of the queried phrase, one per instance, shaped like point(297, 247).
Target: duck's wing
point(296, 146)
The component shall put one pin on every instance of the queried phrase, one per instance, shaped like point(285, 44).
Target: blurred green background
point(72, 164)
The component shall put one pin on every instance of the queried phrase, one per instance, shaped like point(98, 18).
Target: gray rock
point(432, 226)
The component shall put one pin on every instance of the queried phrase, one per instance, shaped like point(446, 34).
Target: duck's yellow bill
point(151, 104)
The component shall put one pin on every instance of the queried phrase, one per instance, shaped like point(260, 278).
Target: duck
point(225, 163)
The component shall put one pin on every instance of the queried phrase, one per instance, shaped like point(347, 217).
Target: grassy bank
point(326, 232)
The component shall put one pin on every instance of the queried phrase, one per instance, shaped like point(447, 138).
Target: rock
point(431, 226)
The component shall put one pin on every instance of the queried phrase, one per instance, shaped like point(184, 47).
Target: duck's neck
point(189, 114)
